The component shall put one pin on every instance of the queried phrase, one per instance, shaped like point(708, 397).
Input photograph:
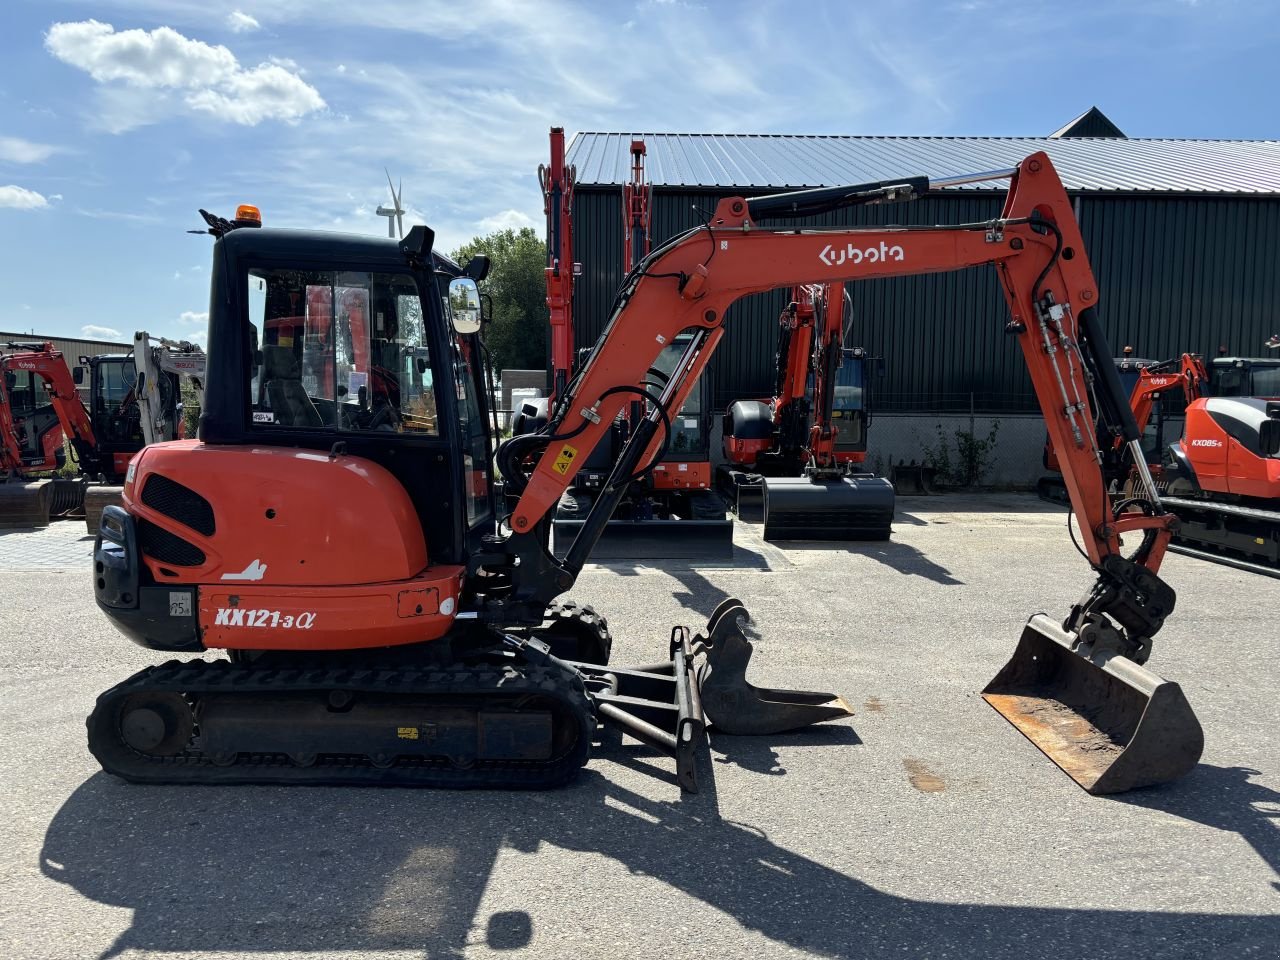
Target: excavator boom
point(1035, 245)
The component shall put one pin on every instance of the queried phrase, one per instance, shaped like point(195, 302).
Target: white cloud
point(20, 198)
point(242, 22)
point(191, 317)
point(209, 78)
point(506, 220)
point(17, 150)
point(95, 332)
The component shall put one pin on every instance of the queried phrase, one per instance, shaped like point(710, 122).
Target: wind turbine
point(395, 212)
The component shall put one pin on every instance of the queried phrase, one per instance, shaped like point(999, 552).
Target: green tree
point(516, 331)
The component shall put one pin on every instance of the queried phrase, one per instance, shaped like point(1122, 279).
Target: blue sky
point(119, 119)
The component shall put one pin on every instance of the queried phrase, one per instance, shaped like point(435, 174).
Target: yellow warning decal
point(407, 733)
point(565, 459)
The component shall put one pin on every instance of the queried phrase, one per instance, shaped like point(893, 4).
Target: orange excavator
point(39, 408)
point(385, 623)
point(798, 457)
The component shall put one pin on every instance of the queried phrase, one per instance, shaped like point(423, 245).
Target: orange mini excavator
point(387, 622)
point(39, 408)
point(799, 456)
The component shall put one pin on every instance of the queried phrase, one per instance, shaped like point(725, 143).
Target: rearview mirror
point(77, 375)
point(464, 305)
point(1269, 437)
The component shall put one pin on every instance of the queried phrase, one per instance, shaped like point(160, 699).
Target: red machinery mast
point(636, 197)
point(557, 182)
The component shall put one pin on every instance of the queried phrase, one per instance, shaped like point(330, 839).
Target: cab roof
point(280, 243)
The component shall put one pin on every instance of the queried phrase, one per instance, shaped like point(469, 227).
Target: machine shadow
point(1226, 799)
point(257, 870)
point(901, 557)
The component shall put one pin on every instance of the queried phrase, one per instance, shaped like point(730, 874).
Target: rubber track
point(196, 677)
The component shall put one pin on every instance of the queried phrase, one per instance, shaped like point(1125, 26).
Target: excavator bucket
point(24, 505)
point(847, 508)
point(67, 498)
point(1110, 724)
point(731, 704)
point(96, 499)
point(912, 479)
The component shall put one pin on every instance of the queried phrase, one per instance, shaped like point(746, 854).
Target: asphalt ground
point(926, 826)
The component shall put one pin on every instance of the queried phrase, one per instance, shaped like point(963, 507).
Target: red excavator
point(386, 624)
point(39, 408)
point(795, 461)
point(1222, 477)
point(674, 513)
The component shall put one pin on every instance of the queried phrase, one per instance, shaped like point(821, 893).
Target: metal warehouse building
point(1183, 236)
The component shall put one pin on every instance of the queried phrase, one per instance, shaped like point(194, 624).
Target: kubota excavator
point(1222, 477)
point(136, 400)
point(674, 512)
point(385, 626)
point(799, 457)
point(32, 434)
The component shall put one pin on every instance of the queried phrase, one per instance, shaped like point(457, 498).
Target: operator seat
point(289, 400)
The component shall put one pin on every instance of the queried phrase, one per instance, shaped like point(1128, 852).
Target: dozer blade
point(731, 704)
point(1110, 724)
point(25, 505)
point(848, 508)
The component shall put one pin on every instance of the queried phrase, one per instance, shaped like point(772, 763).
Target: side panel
point(338, 618)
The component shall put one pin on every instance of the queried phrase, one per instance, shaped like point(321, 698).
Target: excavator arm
point(153, 359)
point(48, 364)
point(689, 284)
point(1187, 372)
point(1075, 688)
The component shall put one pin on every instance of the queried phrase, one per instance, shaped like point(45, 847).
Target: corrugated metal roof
point(785, 161)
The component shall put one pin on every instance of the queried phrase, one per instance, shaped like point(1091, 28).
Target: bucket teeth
point(734, 706)
point(1110, 724)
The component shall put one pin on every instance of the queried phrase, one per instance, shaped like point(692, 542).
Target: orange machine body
point(1225, 463)
point(305, 550)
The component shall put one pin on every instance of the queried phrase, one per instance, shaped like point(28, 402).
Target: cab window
point(340, 350)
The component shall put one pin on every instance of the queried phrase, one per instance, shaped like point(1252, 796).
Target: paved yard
point(924, 827)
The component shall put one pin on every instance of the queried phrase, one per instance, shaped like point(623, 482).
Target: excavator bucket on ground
point(67, 498)
point(912, 479)
point(847, 508)
point(96, 499)
point(1110, 724)
point(25, 505)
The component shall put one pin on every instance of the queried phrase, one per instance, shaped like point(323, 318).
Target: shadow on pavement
point(902, 557)
point(1224, 798)
point(249, 870)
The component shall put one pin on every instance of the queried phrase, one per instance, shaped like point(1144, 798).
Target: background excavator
point(795, 461)
point(39, 409)
point(1146, 382)
point(674, 512)
point(386, 624)
point(1222, 477)
point(134, 399)
point(1218, 477)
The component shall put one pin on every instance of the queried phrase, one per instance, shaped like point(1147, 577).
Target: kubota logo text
point(26, 365)
point(833, 257)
